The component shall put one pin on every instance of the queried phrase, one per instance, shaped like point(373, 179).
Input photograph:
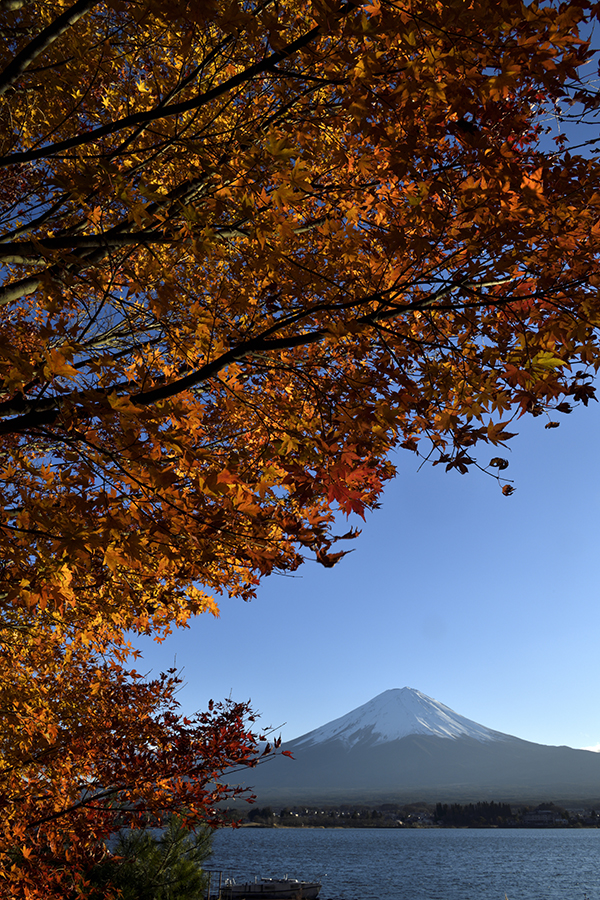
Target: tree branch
point(174, 109)
point(46, 410)
point(11, 252)
point(40, 43)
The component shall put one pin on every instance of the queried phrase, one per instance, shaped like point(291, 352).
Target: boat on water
point(270, 889)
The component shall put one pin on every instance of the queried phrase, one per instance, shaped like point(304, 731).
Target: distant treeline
point(474, 815)
point(485, 814)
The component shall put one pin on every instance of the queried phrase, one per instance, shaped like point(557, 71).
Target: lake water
point(420, 864)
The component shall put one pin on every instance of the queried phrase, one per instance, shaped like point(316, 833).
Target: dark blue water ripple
point(405, 864)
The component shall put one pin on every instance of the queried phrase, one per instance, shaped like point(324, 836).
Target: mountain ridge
point(402, 745)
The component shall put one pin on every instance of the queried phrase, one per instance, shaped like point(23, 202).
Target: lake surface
point(420, 864)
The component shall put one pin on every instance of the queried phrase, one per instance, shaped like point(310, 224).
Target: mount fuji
point(402, 746)
point(394, 715)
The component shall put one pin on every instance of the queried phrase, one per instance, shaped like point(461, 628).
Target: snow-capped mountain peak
point(395, 714)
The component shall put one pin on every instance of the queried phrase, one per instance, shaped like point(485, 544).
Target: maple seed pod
point(499, 463)
point(552, 425)
point(507, 490)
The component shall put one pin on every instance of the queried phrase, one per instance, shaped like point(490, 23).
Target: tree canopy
point(247, 249)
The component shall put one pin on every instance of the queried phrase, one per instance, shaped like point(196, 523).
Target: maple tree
point(89, 748)
point(247, 249)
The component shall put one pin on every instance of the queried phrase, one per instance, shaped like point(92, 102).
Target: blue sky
point(487, 603)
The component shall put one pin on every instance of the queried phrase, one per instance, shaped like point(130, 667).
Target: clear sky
point(487, 603)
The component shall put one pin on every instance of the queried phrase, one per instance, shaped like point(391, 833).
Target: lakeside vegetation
point(153, 864)
point(485, 814)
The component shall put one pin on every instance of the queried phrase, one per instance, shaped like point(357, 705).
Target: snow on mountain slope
point(395, 714)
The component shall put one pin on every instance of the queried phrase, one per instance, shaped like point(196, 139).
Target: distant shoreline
point(484, 814)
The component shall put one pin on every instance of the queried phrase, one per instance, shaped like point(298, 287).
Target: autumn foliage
point(248, 249)
point(77, 768)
